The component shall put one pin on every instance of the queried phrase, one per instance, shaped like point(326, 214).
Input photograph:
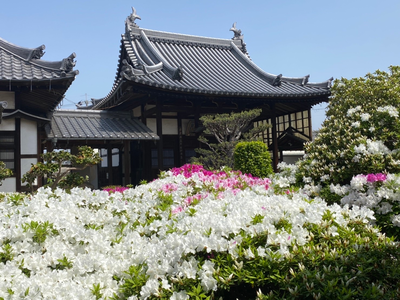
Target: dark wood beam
point(160, 145)
point(127, 163)
point(274, 139)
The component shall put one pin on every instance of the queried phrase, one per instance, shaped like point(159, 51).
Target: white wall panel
point(28, 137)
point(7, 125)
point(169, 126)
point(9, 185)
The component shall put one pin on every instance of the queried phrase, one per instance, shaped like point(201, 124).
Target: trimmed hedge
point(253, 158)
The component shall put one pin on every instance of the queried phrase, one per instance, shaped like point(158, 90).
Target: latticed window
point(298, 120)
point(168, 158)
point(7, 149)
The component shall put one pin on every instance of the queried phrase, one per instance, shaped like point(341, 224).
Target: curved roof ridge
point(298, 80)
point(327, 84)
point(276, 80)
point(23, 52)
point(270, 78)
point(184, 38)
point(175, 73)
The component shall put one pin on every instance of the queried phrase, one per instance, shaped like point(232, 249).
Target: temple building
point(30, 88)
point(149, 121)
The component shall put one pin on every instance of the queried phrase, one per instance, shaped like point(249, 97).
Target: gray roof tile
point(97, 125)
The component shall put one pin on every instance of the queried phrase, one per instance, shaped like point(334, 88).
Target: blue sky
point(321, 38)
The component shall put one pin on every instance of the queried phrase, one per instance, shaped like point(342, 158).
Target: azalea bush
point(380, 193)
point(193, 234)
point(361, 133)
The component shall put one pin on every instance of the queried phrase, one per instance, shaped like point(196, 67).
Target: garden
point(325, 228)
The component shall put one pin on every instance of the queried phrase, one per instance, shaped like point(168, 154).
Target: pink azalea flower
point(371, 178)
point(381, 177)
point(169, 188)
point(178, 210)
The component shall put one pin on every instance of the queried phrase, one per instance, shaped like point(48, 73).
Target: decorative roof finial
point(130, 20)
point(37, 53)
point(239, 36)
point(237, 32)
point(68, 64)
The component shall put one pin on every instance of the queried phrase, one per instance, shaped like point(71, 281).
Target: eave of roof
point(97, 125)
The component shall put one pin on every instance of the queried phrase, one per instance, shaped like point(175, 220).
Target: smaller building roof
point(25, 64)
point(40, 84)
point(97, 125)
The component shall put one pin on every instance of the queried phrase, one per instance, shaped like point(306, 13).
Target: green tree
point(253, 158)
point(361, 133)
point(227, 129)
point(4, 172)
point(55, 170)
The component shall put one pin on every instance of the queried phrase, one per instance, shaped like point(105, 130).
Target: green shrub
point(4, 172)
point(253, 158)
point(361, 134)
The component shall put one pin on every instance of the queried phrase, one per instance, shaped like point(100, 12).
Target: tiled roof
point(201, 65)
point(97, 125)
point(24, 64)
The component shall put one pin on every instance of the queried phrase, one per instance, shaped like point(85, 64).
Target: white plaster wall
point(26, 165)
point(9, 185)
point(169, 126)
point(9, 97)
point(28, 137)
point(7, 125)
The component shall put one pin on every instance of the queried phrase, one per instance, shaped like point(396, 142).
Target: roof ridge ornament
point(130, 20)
point(37, 53)
point(237, 35)
point(68, 64)
point(277, 81)
point(129, 71)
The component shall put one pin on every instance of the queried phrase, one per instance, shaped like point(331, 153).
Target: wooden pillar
point(310, 124)
point(197, 107)
point(17, 155)
point(142, 114)
point(275, 158)
point(127, 163)
point(109, 164)
point(160, 145)
point(180, 137)
point(144, 147)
